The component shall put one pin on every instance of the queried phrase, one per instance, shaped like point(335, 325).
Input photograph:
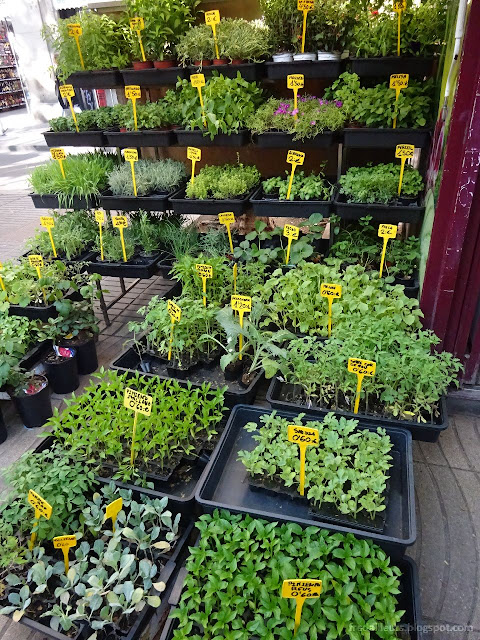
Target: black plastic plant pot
point(62, 373)
point(187, 138)
point(282, 140)
point(135, 203)
point(181, 204)
point(33, 313)
point(427, 432)
point(384, 67)
point(86, 353)
point(309, 69)
point(136, 267)
point(50, 201)
point(379, 212)
point(250, 71)
point(264, 206)
point(385, 138)
point(35, 409)
point(3, 428)
point(411, 286)
point(225, 485)
point(104, 79)
point(154, 77)
point(144, 138)
point(74, 139)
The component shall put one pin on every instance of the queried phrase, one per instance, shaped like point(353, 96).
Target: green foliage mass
point(379, 183)
point(223, 182)
point(150, 176)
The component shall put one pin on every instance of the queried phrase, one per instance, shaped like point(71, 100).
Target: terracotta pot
point(219, 61)
point(202, 63)
point(164, 64)
point(139, 64)
point(238, 61)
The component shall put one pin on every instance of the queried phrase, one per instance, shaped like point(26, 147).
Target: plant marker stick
point(133, 93)
point(65, 543)
point(386, 231)
point(100, 218)
point(198, 80)
point(131, 155)
point(213, 18)
point(175, 316)
point(290, 232)
point(137, 24)
point(301, 590)
point(361, 368)
point(195, 155)
point(235, 275)
point(138, 403)
point(241, 304)
point(112, 510)
point(75, 31)
point(42, 508)
point(398, 7)
point(305, 6)
point(48, 222)
point(121, 222)
point(295, 82)
point(204, 271)
point(398, 81)
point(295, 158)
point(67, 91)
point(36, 262)
point(331, 292)
point(2, 284)
point(60, 155)
point(304, 437)
point(403, 151)
point(227, 219)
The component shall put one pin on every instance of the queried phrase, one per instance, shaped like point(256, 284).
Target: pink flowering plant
point(314, 116)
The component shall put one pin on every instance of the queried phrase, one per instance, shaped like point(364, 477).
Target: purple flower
point(339, 103)
point(313, 122)
point(294, 112)
point(320, 101)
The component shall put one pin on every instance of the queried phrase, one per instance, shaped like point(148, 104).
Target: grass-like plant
point(151, 177)
point(243, 40)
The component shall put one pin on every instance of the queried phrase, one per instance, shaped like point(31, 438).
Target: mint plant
point(379, 183)
point(304, 187)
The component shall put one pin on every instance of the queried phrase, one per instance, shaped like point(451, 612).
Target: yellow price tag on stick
point(2, 284)
point(362, 368)
point(131, 155)
point(331, 292)
point(48, 222)
point(198, 80)
point(398, 81)
point(133, 92)
point(235, 276)
point(305, 6)
point(227, 219)
point(100, 218)
point(36, 262)
point(291, 232)
point(241, 304)
point(121, 222)
point(138, 403)
point(138, 24)
point(65, 543)
point(404, 152)
point(204, 271)
point(304, 437)
point(112, 510)
point(67, 91)
point(175, 315)
point(212, 18)
point(75, 31)
point(301, 590)
point(295, 81)
point(386, 231)
point(294, 158)
point(42, 510)
point(60, 155)
point(195, 155)
point(398, 7)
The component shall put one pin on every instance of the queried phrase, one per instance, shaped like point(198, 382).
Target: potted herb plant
point(196, 46)
point(30, 393)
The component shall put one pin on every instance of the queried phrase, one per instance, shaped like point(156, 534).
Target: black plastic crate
point(250, 71)
point(181, 204)
point(288, 208)
point(282, 140)
point(384, 67)
point(379, 212)
point(136, 267)
point(195, 138)
point(107, 79)
point(50, 201)
point(74, 139)
point(154, 77)
point(310, 69)
point(143, 138)
point(155, 202)
point(385, 138)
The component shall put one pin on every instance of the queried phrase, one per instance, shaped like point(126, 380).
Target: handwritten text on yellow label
point(35, 261)
point(404, 150)
point(100, 216)
point(58, 154)
point(361, 367)
point(133, 91)
point(290, 231)
point(399, 81)
point(193, 153)
point(241, 303)
point(130, 155)
point(212, 17)
point(67, 91)
point(387, 230)
point(226, 218)
point(301, 588)
point(328, 290)
point(47, 221)
point(40, 505)
point(74, 29)
point(174, 310)
point(137, 24)
point(197, 80)
point(64, 542)
point(295, 157)
point(303, 435)
point(295, 81)
point(139, 402)
point(399, 5)
point(204, 270)
point(120, 222)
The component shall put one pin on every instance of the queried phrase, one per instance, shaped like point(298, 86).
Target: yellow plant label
point(399, 80)
point(305, 5)
point(295, 157)
point(387, 231)
point(194, 154)
point(120, 222)
point(404, 150)
point(302, 435)
point(241, 303)
point(133, 91)
point(67, 90)
point(399, 5)
point(138, 402)
point(112, 510)
point(100, 216)
point(204, 270)
point(130, 155)
point(362, 367)
point(74, 30)
point(226, 218)
point(301, 588)
point(197, 80)
point(35, 261)
point(41, 506)
point(212, 17)
point(47, 221)
point(290, 231)
point(295, 81)
point(1, 266)
point(64, 542)
point(174, 310)
point(58, 154)
point(328, 290)
point(137, 24)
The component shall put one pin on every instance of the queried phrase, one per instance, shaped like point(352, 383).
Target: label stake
point(195, 155)
point(121, 223)
point(295, 82)
point(290, 232)
point(403, 151)
point(65, 543)
point(42, 509)
point(75, 31)
point(59, 154)
point(241, 304)
point(295, 158)
point(67, 91)
point(304, 437)
point(138, 403)
point(138, 24)
point(213, 18)
point(305, 6)
point(198, 80)
point(133, 92)
point(398, 7)
point(398, 81)
point(227, 219)
point(112, 510)
point(301, 590)
point(100, 218)
point(386, 231)
point(48, 222)
point(362, 368)
point(204, 271)
point(175, 316)
point(331, 292)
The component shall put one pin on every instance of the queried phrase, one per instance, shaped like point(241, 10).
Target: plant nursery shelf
point(379, 212)
point(146, 138)
point(282, 140)
point(155, 202)
point(265, 206)
point(181, 204)
point(187, 138)
point(50, 201)
point(250, 71)
point(107, 79)
point(313, 69)
point(384, 67)
point(74, 139)
point(385, 138)
point(143, 267)
point(154, 77)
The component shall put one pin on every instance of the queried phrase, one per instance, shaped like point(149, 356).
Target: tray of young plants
point(373, 191)
point(216, 188)
point(118, 567)
point(154, 126)
point(359, 478)
point(309, 194)
point(267, 553)
point(63, 133)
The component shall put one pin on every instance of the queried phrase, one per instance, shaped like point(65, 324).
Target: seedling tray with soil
point(309, 69)
point(74, 139)
point(51, 201)
point(196, 138)
point(144, 138)
point(104, 79)
point(181, 204)
point(137, 267)
point(289, 397)
point(282, 140)
point(154, 77)
point(153, 202)
point(380, 212)
point(385, 138)
point(250, 71)
point(265, 205)
point(384, 67)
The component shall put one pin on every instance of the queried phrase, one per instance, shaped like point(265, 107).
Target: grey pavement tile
point(451, 445)
point(468, 435)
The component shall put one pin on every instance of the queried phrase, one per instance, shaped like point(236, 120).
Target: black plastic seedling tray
point(385, 138)
point(154, 77)
point(74, 139)
point(282, 140)
point(379, 212)
point(144, 138)
point(426, 432)
point(155, 202)
point(136, 267)
point(35, 355)
point(250, 71)
point(384, 67)
point(181, 204)
point(309, 69)
point(50, 201)
point(225, 485)
point(196, 138)
point(264, 206)
point(33, 313)
point(108, 79)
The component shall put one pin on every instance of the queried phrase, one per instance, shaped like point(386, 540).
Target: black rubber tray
point(144, 138)
point(181, 204)
point(74, 139)
point(130, 361)
point(50, 201)
point(108, 79)
point(136, 267)
point(280, 140)
point(384, 67)
point(225, 485)
point(35, 355)
point(154, 77)
point(313, 69)
point(288, 208)
point(250, 71)
point(135, 203)
point(379, 212)
point(419, 430)
point(33, 313)
point(385, 138)
point(187, 138)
